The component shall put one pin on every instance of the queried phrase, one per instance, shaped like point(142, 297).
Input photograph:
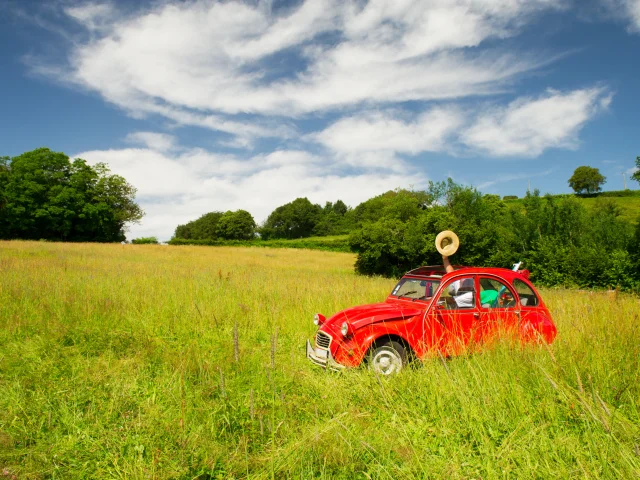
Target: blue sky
point(206, 105)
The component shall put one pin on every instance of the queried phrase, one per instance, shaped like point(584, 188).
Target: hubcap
point(386, 362)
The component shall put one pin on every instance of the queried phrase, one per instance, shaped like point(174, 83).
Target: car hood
point(373, 313)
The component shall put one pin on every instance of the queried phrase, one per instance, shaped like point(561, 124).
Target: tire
point(388, 358)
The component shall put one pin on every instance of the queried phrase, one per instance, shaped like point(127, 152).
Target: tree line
point(297, 219)
point(302, 219)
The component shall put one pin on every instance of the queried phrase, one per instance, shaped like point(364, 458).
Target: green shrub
point(145, 241)
point(332, 244)
point(621, 193)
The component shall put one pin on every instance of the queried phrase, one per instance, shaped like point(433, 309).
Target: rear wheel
point(388, 358)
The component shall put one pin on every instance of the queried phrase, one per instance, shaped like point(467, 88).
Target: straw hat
point(447, 243)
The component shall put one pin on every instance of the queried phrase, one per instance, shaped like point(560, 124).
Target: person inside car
point(463, 291)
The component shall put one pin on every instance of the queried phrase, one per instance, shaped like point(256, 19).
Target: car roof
point(439, 271)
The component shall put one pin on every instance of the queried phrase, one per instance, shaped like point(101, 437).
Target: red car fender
point(352, 351)
point(536, 325)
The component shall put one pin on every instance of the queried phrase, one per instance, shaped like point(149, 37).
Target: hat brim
point(450, 241)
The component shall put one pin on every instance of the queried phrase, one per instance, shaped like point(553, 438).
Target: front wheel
point(388, 358)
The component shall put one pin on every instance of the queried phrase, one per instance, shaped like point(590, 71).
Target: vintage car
point(432, 313)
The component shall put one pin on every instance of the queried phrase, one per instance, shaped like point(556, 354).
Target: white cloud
point(390, 132)
point(203, 62)
point(93, 16)
point(632, 170)
point(524, 128)
point(628, 10)
point(527, 126)
point(152, 140)
point(633, 8)
point(174, 188)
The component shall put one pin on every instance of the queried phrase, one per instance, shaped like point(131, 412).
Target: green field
point(152, 362)
point(629, 205)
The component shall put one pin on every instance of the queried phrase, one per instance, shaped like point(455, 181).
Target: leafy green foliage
point(238, 225)
point(399, 204)
point(45, 196)
point(145, 241)
point(215, 226)
point(296, 219)
point(336, 243)
point(302, 219)
point(559, 240)
point(586, 180)
point(636, 174)
point(204, 228)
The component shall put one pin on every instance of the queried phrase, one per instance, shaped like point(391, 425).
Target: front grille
point(323, 340)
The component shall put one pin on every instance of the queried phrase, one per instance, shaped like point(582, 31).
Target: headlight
point(344, 329)
point(318, 319)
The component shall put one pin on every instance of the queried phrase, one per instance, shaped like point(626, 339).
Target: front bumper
point(321, 360)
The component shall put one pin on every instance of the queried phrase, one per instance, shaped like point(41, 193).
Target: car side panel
point(536, 325)
point(352, 351)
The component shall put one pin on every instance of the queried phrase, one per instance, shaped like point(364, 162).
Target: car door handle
point(476, 315)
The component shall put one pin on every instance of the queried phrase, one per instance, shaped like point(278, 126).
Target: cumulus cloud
point(204, 62)
point(528, 126)
point(176, 187)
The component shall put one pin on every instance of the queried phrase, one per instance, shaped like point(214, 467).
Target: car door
point(499, 309)
point(455, 315)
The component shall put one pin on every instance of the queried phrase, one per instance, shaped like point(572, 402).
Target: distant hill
point(627, 200)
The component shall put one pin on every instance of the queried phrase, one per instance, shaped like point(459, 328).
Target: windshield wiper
point(407, 293)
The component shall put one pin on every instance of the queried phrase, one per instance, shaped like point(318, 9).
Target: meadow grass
point(143, 361)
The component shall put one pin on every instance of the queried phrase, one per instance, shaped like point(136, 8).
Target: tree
point(296, 219)
point(45, 196)
point(339, 208)
point(636, 174)
point(400, 204)
point(238, 225)
point(204, 228)
point(586, 180)
point(4, 178)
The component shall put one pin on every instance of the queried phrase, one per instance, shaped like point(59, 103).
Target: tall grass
point(127, 361)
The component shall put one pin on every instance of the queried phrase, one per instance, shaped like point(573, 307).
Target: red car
point(430, 312)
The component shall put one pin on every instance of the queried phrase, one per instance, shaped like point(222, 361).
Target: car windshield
point(416, 288)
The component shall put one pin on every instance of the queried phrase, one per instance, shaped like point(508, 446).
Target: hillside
point(627, 200)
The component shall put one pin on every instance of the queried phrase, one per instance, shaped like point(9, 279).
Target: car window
point(527, 296)
point(495, 294)
point(459, 294)
point(415, 288)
